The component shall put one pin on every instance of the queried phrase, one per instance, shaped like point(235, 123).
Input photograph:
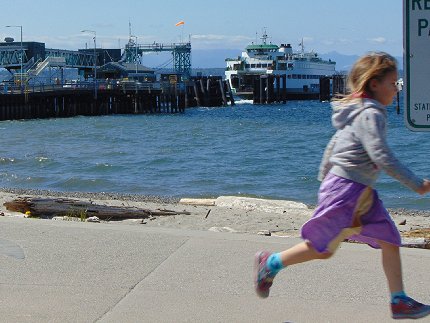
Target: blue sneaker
point(263, 277)
point(408, 308)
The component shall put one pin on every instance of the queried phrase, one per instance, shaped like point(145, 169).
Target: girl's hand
point(425, 188)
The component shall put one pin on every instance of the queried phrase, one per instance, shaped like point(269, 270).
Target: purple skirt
point(348, 210)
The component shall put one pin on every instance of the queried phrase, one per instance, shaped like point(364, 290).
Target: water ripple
point(272, 151)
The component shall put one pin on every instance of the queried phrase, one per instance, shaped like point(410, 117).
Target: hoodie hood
point(344, 113)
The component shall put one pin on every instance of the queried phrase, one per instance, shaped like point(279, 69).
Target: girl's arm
point(373, 138)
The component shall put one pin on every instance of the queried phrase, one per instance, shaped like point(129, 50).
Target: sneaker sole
point(409, 316)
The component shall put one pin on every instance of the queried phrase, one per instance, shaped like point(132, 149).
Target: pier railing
point(12, 88)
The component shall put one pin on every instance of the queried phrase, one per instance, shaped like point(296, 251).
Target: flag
point(180, 23)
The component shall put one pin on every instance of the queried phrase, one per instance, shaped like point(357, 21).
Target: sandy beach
point(222, 214)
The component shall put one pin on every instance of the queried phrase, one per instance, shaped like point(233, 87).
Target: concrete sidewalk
point(58, 271)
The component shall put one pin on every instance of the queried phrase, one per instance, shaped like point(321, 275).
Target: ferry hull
point(289, 96)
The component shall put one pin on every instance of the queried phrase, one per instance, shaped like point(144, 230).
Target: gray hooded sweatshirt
point(359, 150)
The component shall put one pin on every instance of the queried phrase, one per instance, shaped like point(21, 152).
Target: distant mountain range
point(345, 62)
point(216, 58)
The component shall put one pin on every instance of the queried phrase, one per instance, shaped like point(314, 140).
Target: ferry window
point(247, 65)
point(289, 76)
point(252, 65)
point(294, 76)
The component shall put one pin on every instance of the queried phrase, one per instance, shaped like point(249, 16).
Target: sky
point(346, 26)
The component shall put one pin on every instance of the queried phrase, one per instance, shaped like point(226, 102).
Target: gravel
point(94, 195)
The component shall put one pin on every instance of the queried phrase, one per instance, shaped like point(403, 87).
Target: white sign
point(416, 36)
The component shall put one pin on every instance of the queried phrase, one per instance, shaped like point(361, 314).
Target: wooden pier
point(269, 89)
point(332, 86)
point(339, 84)
point(211, 92)
point(69, 100)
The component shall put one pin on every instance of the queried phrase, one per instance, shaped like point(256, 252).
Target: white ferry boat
point(303, 70)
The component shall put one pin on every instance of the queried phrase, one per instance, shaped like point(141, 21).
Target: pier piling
point(267, 89)
point(325, 93)
point(63, 102)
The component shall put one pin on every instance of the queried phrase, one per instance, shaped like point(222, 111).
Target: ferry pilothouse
point(303, 70)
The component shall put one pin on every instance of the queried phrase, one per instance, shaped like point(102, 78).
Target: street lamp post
point(22, 50)
point(95, 60)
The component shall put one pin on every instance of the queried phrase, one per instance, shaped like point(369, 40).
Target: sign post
point(416, 37)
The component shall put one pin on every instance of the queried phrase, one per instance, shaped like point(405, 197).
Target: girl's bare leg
point(301, 252)
point(392, 265)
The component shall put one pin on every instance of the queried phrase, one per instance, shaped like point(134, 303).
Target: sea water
point(267, 151)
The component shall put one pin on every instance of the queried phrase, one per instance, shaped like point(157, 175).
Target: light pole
point(136, 78)
point(22, 50)
point(95, 59)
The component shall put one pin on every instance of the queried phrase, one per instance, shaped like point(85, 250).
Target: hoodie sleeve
point(326, 165)
point(373, 138)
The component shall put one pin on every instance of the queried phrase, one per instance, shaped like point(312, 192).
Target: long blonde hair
point(374, 65)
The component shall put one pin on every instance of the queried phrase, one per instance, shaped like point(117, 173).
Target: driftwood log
point(50, 207)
